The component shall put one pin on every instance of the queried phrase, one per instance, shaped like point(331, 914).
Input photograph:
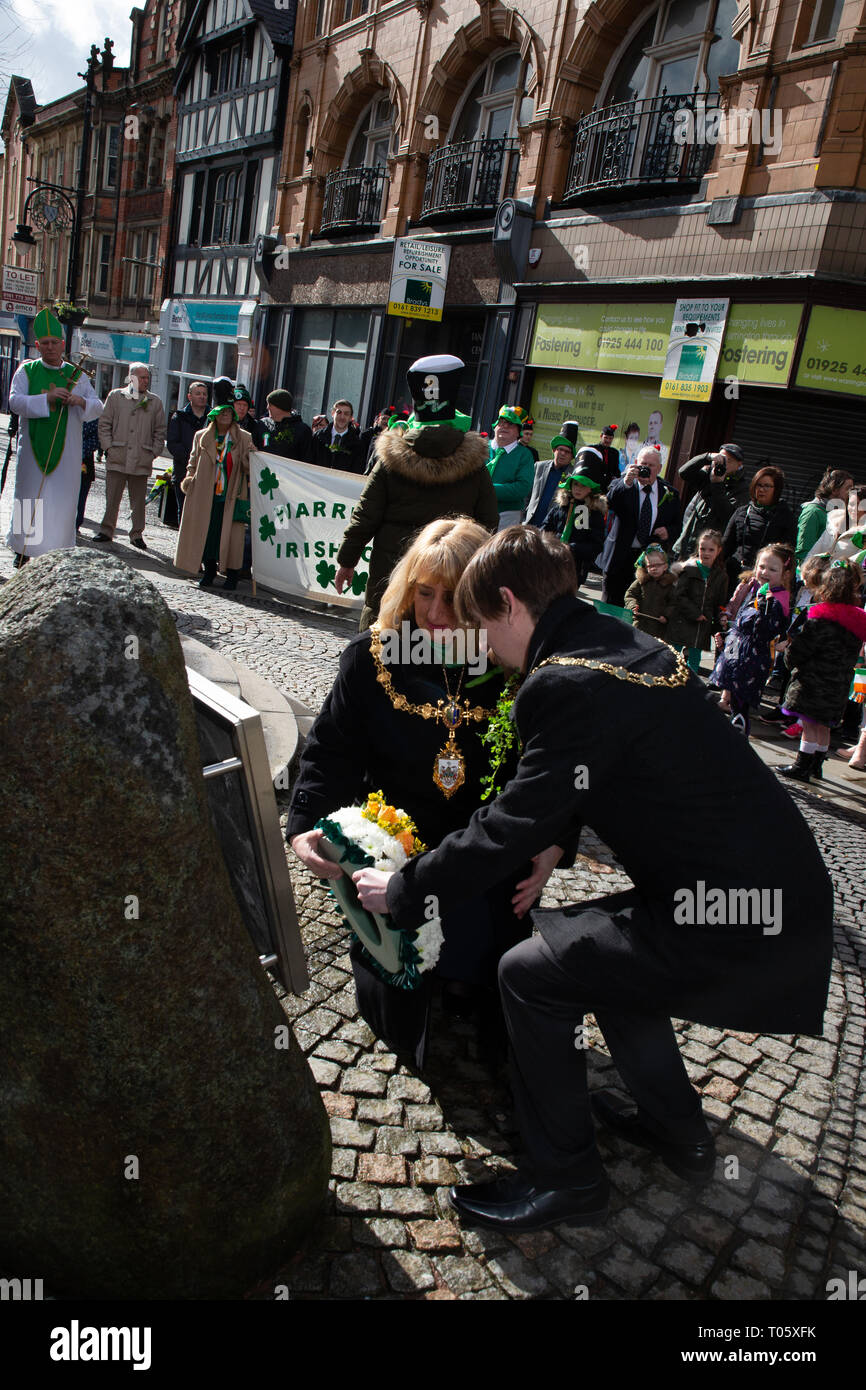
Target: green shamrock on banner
point(268, 483)
point(267, 529)
point(325, 574)
point(359, 583)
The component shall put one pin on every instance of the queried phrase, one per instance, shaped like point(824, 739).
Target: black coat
point(624, 504)
point(351, 457)
point(750, 529)
point(585, 541)
point(183, 426)
point(713, 504)
point(694, 596)
point(291, 438)
point(621, 758)
point(361, 743)
point(821, 657)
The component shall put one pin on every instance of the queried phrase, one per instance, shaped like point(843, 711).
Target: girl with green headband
point(577, 515)
point(651, 597)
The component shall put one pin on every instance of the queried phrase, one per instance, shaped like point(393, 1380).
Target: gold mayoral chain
point(449, 765)
point(678, 677)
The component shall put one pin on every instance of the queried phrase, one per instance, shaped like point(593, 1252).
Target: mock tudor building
point(587, 167)
point(231, 93)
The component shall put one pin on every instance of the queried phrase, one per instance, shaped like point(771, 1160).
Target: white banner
point(298, 514)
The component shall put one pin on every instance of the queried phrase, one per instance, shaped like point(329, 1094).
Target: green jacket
point(810, 523)
point(512, 475)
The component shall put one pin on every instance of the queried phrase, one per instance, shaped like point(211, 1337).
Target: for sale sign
point(20, 291)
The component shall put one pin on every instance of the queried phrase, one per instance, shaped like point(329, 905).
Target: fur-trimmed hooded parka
point(405, 491)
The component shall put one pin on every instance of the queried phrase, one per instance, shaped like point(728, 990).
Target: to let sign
point(20, 291)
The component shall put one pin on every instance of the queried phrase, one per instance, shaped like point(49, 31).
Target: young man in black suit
point(733, 929)
point(645, 509)
point(338, 445)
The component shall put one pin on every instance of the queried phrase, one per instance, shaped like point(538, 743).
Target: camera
point(644, 471)
point(719, 469)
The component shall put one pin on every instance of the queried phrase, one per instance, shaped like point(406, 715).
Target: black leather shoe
point(694, 1162)
point(516, 1204)
point(100, 537)
point(138, 543)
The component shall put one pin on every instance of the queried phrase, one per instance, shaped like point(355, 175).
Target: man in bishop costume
point(52, 408)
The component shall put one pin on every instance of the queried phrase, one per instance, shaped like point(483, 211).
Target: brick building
point(688, 150)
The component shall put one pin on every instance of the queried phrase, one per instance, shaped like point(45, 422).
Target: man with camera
point(645, 509)
point(721, 487)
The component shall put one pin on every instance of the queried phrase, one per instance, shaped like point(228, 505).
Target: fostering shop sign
point(298, 514)
point(419, 274)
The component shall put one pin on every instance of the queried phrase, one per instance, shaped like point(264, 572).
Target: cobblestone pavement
point(787, 1209)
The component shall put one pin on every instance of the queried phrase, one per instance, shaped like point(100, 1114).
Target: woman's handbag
point(241, 511)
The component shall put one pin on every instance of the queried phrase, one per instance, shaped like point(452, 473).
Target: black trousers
point(544, 1006)
point(618, 576)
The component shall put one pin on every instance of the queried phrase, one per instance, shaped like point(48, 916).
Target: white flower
point(428, 943)
point(386, 852)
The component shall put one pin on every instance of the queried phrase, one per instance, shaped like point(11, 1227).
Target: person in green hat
point(579, 509)
point(48, 473)
point(511, 465)
point(217, 491)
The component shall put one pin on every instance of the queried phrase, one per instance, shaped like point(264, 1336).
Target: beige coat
point(131, 433)
point(198, 486)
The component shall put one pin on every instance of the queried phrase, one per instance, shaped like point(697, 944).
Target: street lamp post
point(50, 204)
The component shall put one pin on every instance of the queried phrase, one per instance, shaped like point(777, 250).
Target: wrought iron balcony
point(473, 176)
point(651, 142)
point(353, 198)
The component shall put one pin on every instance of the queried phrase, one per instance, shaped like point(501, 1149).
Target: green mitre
point(47, 325)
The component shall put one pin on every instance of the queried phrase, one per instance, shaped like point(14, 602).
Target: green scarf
point(47, 435)
point(569, 525)
point(704, 572)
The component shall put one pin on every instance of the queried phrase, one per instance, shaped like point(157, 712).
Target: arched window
point(683, 46)
point(478, 166)
point(355, 193)
point(647, 128)
point(496, 103)
point(371, 143)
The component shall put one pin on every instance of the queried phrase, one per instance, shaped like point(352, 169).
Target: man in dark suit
point(550, 473)
point(644, 509)
point(338, 445)
point(732, 930)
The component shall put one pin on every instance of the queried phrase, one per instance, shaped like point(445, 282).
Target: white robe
point(44, 519)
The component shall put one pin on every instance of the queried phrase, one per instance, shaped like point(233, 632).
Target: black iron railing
point(473, 176)
point(653, 141)
point(353, 198)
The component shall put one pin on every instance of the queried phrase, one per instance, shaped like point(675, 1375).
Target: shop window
point(327, 358)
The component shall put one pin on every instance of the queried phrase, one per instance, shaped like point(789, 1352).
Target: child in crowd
point(821, 657)
point(761, 604)
point(699, 598)
point(579, 509)
point(807, 576)
point(651, 597)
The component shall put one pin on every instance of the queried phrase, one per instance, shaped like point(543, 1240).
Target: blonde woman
point(366, 738)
